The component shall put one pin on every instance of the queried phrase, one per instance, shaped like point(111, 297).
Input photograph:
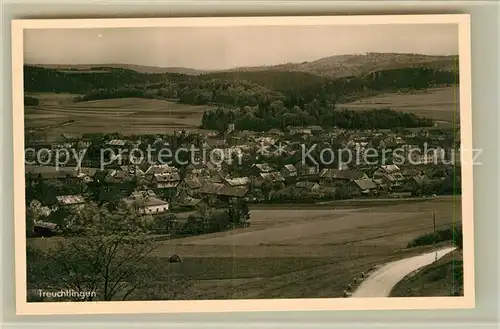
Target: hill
point(332, 66)
point(361, 64)
point(82, 68)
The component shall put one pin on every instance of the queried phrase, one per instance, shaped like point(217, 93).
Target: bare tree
point(106, 259)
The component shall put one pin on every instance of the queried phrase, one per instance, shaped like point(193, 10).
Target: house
point(115, 176)
point(258, 168)
point(391, 174)
point(160, 169)
point(166, 180)
point(86, 174)
point(213, 192)
point(304, 169)
point(289, 170)
point(308, 186)
point(366, 186)
point(186, 201)
point(273, 177)
point(332, 176)
point(198, 170)
point(44, 228)
point(315, 130)
point(213, 167)
point(71, 202)
point(40, 209)
point(275, 132)
point(300, 131)
point(189, 186)
point(147, 203)
point(409, 172)
point(239, 181)
point(415, 184)
point(154, 205)
point(116, 143)
point(49, 172)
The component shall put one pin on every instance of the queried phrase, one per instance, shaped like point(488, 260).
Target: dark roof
point(152, 201)
point(366, 184)
point(315, 128)
point(390, 169)
point(42, 224)
point(342, 174)
point(188, 201)
point(49, 172)
point(274, 176)
point(409, 171)
point(193, 182)
point(290, 168)
point(167, 177)
point(221, 189)
point(420, 179)
point(238, 181)
point(263, 167)
point(306, 184)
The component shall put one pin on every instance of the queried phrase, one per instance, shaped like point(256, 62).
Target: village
point(252, 167)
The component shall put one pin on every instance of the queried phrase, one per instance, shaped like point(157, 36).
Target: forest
point(256, 101)
point(230, 88)
point(275, 115)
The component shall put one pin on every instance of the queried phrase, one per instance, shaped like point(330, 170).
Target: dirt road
point(382, 280)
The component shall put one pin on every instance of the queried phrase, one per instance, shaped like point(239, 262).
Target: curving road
point(382, 281)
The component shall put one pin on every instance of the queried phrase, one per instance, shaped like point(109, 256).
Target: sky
point(216, 48)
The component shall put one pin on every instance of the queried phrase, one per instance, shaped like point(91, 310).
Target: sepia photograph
point(233, 163)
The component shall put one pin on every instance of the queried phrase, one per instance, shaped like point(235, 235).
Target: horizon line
point(244, 66)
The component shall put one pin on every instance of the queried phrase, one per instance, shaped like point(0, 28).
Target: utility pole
point(434, 224)
point(434, 221)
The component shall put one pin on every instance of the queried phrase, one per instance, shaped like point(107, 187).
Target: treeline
point(299, 87)
point(275, 115)
point(231, 88)
point(39, 79)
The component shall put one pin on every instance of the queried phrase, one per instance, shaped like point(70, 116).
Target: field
point(444, 278)
point(296, 253)
point(441, 104)
point(57, 114)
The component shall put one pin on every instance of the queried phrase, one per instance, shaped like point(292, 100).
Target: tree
point(31, 216)
point(105, 260)
point(164, 224)
point(458, 237)
point(239, 214)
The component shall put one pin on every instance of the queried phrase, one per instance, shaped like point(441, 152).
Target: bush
point(448, 234)
point(458, 238)
point(31, 101)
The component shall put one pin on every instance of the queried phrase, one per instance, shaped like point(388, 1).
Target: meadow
point(441, 104)
point(295, 253)
point(57, 114)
